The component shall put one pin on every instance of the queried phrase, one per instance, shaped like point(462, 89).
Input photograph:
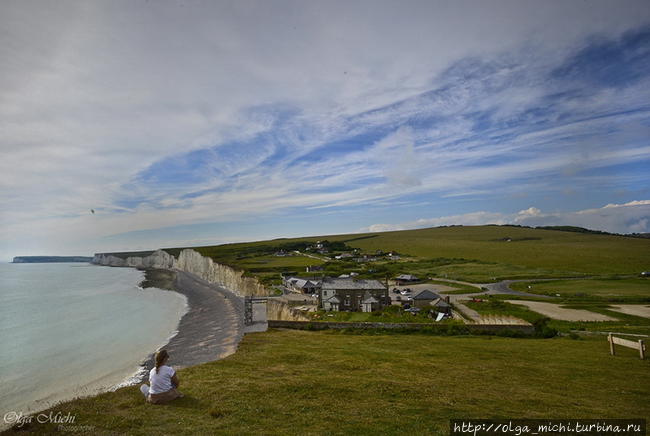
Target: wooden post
point(641, 349)
point(611, 345)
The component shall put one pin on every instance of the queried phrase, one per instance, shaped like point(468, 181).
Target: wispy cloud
point(182, 118)
point(631, 217)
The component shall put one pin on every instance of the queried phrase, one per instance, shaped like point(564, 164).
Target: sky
point(186, 123)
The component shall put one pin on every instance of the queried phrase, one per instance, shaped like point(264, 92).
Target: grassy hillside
point(312, 383)
point(554, 250)
point(481, 253)
point(630, 288)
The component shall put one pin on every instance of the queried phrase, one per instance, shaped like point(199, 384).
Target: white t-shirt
point(162, 380)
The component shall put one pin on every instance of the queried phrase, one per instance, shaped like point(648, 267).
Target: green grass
point(617, 289)
point(478, 253)
point(476, 272)
point(458, 288)
point(274, 263)
point(532, 248)
point(313, 383)
point(493, 306)
point(392, 314)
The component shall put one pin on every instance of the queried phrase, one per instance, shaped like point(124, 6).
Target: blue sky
point(228, 122)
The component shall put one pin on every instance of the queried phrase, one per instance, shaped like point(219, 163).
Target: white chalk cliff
point(192, 262)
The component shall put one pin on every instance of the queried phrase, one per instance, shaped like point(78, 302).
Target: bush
point(542, 330)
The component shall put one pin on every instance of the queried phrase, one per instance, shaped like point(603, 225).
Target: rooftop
point(351, 283)
point(426, 295)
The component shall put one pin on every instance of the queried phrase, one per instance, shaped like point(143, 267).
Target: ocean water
point(72, 329)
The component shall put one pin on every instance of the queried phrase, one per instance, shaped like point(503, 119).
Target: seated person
point(163, 381)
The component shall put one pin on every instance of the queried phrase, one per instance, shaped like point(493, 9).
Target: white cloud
point(93, 93)
point(632, 217)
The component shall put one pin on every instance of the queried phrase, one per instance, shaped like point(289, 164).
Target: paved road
point(502, 287)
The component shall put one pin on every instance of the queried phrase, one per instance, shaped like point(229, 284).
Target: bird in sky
point(92, 210)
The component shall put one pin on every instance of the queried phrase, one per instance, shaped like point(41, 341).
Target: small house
point(427, 299)
point(404, 279)
point(305, 286)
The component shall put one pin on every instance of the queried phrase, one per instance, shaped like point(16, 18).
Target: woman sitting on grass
point(163, 380)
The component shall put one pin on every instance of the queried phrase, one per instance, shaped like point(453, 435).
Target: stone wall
point(443, 328)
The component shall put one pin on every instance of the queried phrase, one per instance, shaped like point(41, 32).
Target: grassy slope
point(555, 250)
point(630, 287)
point(532, 251)
point(294, 382)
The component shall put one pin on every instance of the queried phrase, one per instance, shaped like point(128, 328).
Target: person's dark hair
point(161, 355)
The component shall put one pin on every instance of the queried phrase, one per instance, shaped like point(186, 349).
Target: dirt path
point(554, 311)
point(632, 309)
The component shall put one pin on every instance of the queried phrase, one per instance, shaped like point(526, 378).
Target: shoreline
point(210, 329)
point(118, 376)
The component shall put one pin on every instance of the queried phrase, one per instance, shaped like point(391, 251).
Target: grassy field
point(458, 288)
point(274, 262)
point(477, 253)
point(622, 289)
point(390, 314)
point(313, 383)
point(532, 248)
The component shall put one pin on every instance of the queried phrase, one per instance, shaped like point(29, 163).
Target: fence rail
point(637, 345)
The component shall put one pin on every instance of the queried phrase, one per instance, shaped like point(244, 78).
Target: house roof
point(333, 299)
point(406, 277)
point(426, 295)
point(304, 283)
point(440, 303)
point(351, 284)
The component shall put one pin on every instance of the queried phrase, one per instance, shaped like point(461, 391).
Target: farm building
point(306, 286)
point(404, 279)
point(353, 294)
point(427, 300)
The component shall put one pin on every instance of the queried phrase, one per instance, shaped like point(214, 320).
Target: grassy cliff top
point(533, 248)
point(295, 382)
point(477, 254)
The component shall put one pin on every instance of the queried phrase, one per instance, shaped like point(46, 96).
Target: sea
point(76, 329)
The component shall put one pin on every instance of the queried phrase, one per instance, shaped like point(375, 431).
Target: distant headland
point(50, 259)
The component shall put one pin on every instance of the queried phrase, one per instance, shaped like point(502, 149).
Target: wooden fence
point(637, 345)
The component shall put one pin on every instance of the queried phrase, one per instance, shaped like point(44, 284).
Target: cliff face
point(207, 269)
point(192, 262)
point(281, 311)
